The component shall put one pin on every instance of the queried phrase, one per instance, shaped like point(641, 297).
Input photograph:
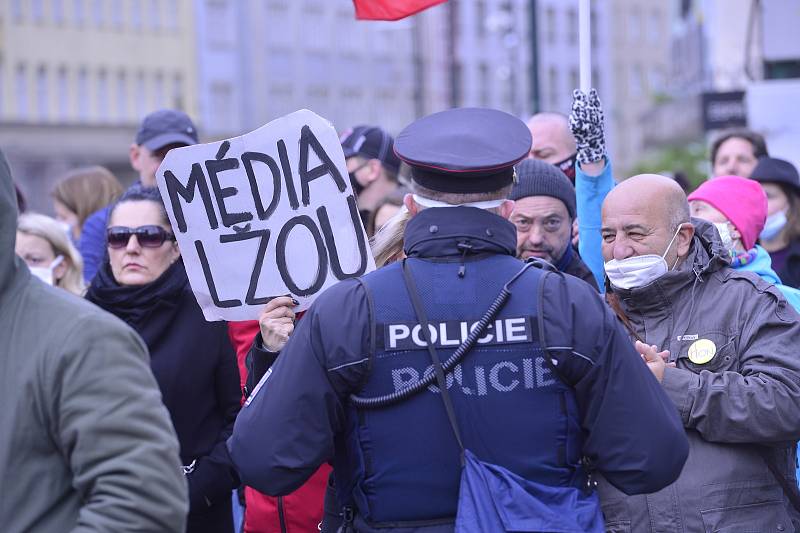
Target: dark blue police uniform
point(540, 398)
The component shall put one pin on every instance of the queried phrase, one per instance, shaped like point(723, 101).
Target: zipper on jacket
point(281, 516)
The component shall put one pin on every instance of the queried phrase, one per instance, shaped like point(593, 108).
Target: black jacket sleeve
point(257, 361)
point(214, 477)
point(286, 428)
point(633, 434)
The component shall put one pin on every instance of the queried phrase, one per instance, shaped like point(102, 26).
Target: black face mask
point(567, 166)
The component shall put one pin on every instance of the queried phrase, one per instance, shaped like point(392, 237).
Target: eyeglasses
point(147, 236)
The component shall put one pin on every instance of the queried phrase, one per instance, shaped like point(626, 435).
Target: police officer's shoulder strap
point(373, 333)
point(419, 310)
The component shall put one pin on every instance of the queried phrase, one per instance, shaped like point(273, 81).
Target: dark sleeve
point(257, 361)
point(633, 434)
point(92, 243)
point(274, 448)
point(214, 476)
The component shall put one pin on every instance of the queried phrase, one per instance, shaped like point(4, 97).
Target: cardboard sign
point(266, 214)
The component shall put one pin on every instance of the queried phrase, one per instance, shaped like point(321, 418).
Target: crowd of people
point(616, 355)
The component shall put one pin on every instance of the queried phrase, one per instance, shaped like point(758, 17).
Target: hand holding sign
point(264, 214)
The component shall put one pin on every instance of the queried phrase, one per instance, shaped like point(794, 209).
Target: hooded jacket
point(762, 265)
point(85, 442)
point(195, 367)
point(736, 385)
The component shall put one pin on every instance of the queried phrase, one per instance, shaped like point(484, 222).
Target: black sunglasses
point(147, 236)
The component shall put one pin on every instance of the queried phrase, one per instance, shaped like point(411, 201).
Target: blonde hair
point(51, 231)
point(387, 243)
point(86, 190)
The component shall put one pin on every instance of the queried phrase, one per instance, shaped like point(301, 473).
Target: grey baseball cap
point(166, 126)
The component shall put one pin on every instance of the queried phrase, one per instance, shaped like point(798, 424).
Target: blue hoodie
point(762, 265)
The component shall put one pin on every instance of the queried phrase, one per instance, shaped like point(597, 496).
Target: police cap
point(465, 150)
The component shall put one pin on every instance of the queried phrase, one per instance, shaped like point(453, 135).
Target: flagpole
point(585, 43)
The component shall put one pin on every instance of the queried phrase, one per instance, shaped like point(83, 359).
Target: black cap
point(466, 150)
point(166, 126)
point(772, 170)
point(370, 142)
point(537, 178)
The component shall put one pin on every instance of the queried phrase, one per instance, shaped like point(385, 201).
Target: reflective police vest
point(403, 460)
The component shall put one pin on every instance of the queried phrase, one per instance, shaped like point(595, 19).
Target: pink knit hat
point(741, 200)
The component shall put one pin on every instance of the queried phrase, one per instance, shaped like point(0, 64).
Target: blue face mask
point(773, 226)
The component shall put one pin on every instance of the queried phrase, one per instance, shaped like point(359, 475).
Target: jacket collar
point(706, 255)
point(458, 231)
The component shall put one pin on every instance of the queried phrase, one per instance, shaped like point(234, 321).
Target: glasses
point(146, 236)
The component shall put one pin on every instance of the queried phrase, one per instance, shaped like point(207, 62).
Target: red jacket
point(298, 512)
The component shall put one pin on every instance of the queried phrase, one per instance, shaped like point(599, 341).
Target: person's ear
point(374, 167)
point(60, 270)
point(735, 235)
point(685, 236)
point(506, 208)
point(175, 252)
point(133, 154)
point(411, 205)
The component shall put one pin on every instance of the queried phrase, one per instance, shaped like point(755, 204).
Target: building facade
point(77, 76)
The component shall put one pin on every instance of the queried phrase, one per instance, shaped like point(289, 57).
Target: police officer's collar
point(438, 231)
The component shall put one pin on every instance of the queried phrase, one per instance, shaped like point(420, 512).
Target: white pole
point(585, 43)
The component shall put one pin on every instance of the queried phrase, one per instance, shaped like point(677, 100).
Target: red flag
point(391, 9)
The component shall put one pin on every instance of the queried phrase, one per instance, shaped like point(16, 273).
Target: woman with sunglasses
point(143, 282)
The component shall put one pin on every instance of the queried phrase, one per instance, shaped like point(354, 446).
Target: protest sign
point(266, 214)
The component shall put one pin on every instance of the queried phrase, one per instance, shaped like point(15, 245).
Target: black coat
point(790, 273)
point(195, 367)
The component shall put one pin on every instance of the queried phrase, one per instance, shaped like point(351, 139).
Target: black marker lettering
point(247, 162)
point(216, 166)
point(263, 235)
point(287, 175)
point(212, 288)
point(307, 138)
point(322, 257)
point(330, 240)
point(197, 180)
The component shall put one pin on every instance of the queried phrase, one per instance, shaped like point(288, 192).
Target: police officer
point(549, 409)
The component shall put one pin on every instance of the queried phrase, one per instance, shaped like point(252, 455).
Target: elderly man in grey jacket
point(724, 344)
point(85, 442)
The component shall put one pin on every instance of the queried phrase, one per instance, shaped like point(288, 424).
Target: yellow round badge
point(702, 351)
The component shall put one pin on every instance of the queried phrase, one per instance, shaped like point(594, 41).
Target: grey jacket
point(85, 442)
point(748, 392)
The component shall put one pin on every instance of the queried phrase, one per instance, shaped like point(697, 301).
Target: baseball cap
point(370, 142)
point(166, 126)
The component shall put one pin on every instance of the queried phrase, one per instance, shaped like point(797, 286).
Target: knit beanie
point(537, 178)
point(741, 200)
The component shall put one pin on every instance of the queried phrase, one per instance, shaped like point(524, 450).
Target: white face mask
point(773, 226)
point(640, 270)
point(724, 234)
point(46, 273)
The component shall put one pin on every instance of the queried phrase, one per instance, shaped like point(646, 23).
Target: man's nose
point(535, 236)
point(622, 250)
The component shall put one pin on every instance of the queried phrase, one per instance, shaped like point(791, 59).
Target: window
point(122, 96)
point(37, 11)
point(42, 107)
point(159, 91)
point(636, 80)
point(141, 95)
point(572, 28)
point(654, 29)
point(551, 25)
point(221, 25)
point(635, 26)
point(117, 14)
point(574, 79)
point(16, 10)
point(58, 11)
point(78, 13)
point(155, 15)
point(102, 96)
point(485, 81)
point(21, 83)
point(177, 92)
point(172, 14)
point(98, 12)
point(221, 108)
point(82, 93)
point(552, 87)
point(62, 88)
point(136, 14)
point(480, 18)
